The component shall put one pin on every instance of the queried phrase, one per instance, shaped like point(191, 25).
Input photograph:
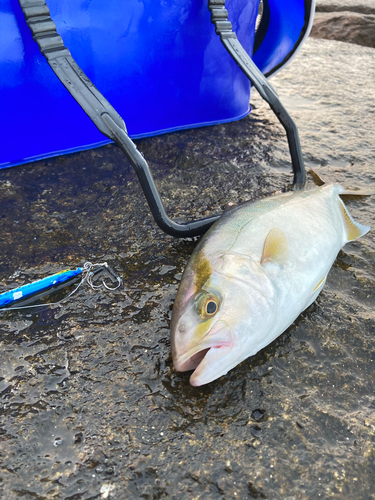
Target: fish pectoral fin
point(353, 229)
point(276, 248)
point(320, 285)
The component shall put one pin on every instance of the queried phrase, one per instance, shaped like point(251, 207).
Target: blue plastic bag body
point(158, 62)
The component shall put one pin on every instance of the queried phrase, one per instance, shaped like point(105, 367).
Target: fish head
point(219, 320)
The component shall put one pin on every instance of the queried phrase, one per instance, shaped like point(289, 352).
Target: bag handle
point(110, 123)
point(223, 27)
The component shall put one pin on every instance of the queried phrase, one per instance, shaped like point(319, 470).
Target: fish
point(255, 270)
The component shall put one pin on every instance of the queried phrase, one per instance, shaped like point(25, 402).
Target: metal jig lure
point(88, 271)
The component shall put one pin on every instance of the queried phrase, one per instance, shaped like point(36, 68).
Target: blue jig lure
point(26, 291)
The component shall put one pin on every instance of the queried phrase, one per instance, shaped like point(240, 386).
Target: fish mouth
point(204, 358)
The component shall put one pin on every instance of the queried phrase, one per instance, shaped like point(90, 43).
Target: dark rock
point(259, 415)
point(361, 6)
point(254, 492)
point(345, 26)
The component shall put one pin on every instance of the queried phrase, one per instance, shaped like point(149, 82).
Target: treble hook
point(88, 267)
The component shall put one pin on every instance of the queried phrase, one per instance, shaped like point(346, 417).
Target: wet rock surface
point(349, 27)
point(364, 6)
point(350, 21)
point(90, 404)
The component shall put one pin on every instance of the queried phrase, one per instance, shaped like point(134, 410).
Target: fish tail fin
point(354, 229)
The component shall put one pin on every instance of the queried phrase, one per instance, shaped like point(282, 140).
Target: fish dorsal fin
point(318, 181)
point(353, 229)
point(276, 248)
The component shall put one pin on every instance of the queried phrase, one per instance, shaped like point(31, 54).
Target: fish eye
point(207, 305)
point(211, 307)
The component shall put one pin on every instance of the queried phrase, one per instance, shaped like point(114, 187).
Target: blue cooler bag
point(159, 63)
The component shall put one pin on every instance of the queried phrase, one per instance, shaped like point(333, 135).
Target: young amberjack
point(257, 268)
